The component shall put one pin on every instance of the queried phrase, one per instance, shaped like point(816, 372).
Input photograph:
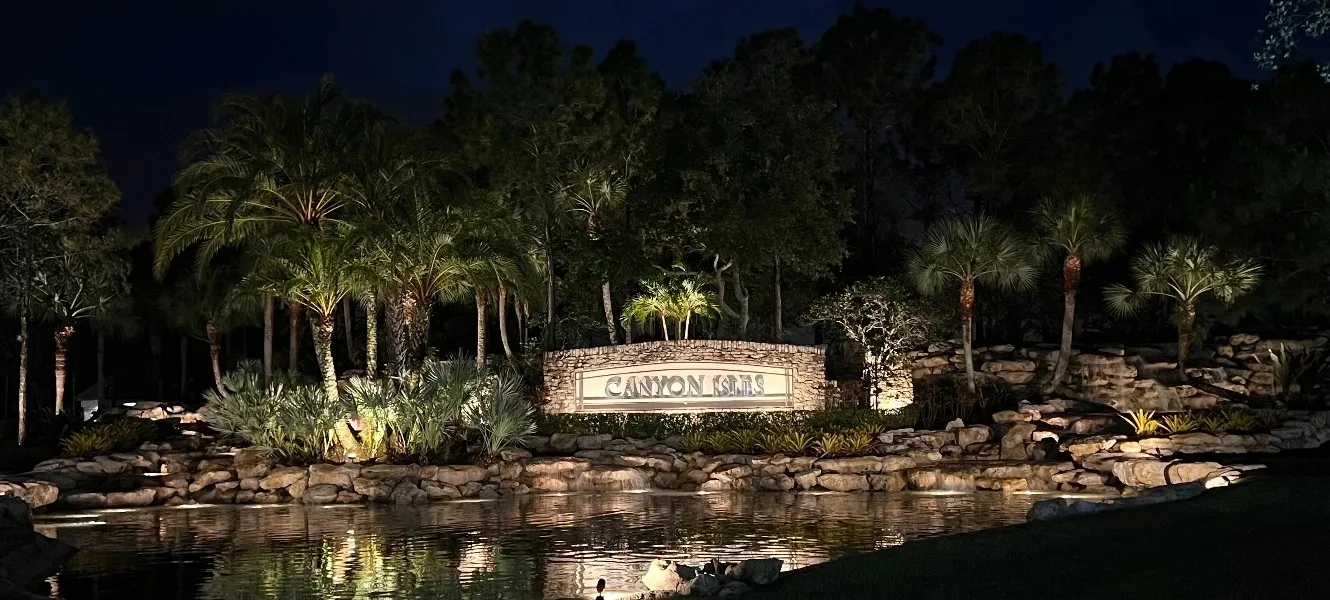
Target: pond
point(517, 548)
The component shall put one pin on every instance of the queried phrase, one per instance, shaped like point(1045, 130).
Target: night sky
point(142, 75)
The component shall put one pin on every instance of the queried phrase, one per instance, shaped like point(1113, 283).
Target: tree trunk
point(780, 324)
point(215, 354)
point(293, 342)
point(347, 315)
point(323, 334)
point(687, 320)
point(1188, 310)
point(549, 288)
point(396, 316)
point(23, 378)
point(967, 320)
point(1071, 278)
point(740, 294)
point(480, 328)
point(269, 315)
point(664, 328)
point(609, 312)
point(371, 335)
point(184, 366)
point(503, 321)
point(63, 333)
point(101, 369)
point(155, 349)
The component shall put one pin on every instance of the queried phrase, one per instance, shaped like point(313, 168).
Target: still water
point(521, 548)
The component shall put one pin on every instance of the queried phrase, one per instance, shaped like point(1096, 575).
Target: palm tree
point(1183, 270)
point(207, 306)
point(688, 299)
point(971, 251)
point(596, 191)
point(490, 257)
point(316, 271)
point(656, 302)
point(85, 279)
point(275, 166)
point(1083, 230)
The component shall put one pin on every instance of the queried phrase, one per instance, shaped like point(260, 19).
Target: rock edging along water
point(1035, 448)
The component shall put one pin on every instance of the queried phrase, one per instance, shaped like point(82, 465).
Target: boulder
point(390, 472)
point(407, 492)
point(564, 442)
point(323, 493)
point(897, 463)
point(336, 475)
point(758, 571)
point(34, 493)
point(85, 500)
point(806, 480)
point(704, 585)
point(1011, 416)
point(593, 442)
point(1013, 442)
point(296, 489)
point(1148, 472)
point(513, 454)
point(439, 491)
point(887, 482)
point(282, 477)
point(376, 490)
point(840, 482)
point(26, 557)
point(856, 465)
point(139, 497)
point(458, 476)
point(208, 478)
point(974, 434)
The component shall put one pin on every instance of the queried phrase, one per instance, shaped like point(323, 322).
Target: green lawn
point(1268, 537)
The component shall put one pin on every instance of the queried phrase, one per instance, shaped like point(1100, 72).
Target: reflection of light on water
point(105, 511)
point(941, 493)
point(66, 516)
point(54, 526)
point(476, 557)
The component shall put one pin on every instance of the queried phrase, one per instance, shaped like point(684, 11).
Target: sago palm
point(1183, 270)
point(317, 271)
point(971, 251)
point(1082, 230)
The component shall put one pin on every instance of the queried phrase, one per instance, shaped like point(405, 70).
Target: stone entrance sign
point(683, 386)
point(685, 376)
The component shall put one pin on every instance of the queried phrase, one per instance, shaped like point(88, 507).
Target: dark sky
point(143, 74)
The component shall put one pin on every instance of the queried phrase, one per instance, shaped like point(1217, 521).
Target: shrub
point(1142, 421)
point(1236, 419)
point(843, 444)
point(1213, 423)
point(694, 442)
point(1179, 422)
point(500, 412)
point(660, 426)
point(89, 442)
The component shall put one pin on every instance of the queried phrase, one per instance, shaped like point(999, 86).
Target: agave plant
point(1179, 422)
point(693, 441)
point(1142, 421)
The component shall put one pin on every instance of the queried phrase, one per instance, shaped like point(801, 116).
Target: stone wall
point(808, 364)
point(1126, 378)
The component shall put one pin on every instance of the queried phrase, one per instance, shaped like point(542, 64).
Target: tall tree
point(274, 167)
point(1082, 230)
point(976, 250)
point(1183, 270)
point(873, 66)
point(757, 186)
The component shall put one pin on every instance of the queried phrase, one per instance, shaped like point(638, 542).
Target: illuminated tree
point(971, 251)
point(1082, 230)
point(1183, 270)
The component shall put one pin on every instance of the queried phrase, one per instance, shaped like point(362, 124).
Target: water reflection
point(531, 547)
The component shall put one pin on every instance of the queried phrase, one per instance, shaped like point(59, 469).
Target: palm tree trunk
point(480, 328)
point(503, 321)
point(184, 366)
point(664, 327)
point(549, 286)
point(397, 317)
point(215, 354)
point(350, 331)
point(687, 321)
point(1188, 310)
point(967, 319)
point(609, 312)
point(1071, 278)
point(269, 314)
point(780, 323)
point(371, 335)
point(101, 369)
point(23, 378)
point(63, 333)
point(323, 335)
point(293, 342)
